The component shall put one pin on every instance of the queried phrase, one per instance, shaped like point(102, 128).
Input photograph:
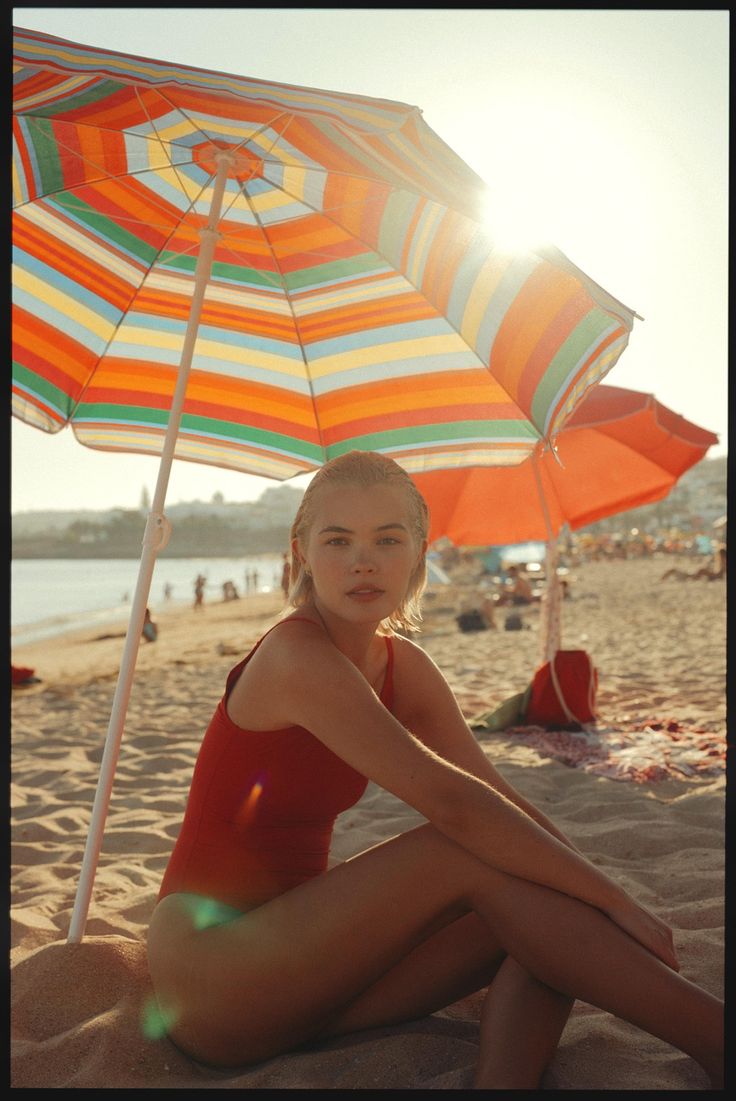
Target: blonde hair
point(363, 469)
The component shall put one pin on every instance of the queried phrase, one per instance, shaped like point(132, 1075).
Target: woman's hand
point(646, 928)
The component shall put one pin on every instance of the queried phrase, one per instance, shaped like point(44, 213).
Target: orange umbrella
point(620, 449)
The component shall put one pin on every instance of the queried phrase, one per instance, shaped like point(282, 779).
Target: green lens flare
point(156, 1020)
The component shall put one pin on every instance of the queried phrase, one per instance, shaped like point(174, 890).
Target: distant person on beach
point(256, 948)
point(199, 585)
point(518, 588)
point(521, 586)
point(150, 629)
point(285, 574)
point(716, 571)
point(229, 592)
point(168, 590)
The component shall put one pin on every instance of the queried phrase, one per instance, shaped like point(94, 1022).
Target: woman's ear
point(299, 557)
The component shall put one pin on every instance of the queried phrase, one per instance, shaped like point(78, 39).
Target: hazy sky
point(607, 132)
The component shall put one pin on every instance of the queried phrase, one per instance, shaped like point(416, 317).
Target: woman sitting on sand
point(255, 948)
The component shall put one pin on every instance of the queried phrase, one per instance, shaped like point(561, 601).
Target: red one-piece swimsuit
point(262, 807)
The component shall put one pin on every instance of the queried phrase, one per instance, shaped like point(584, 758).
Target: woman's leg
point(298, 966)
point(521, 1022)
point(520, 1027)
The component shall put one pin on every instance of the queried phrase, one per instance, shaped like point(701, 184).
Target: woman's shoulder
point(410, 653)
point(293, 632)
point(280, 662)
point(417, 678)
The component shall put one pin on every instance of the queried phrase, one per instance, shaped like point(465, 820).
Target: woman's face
point(361, 551)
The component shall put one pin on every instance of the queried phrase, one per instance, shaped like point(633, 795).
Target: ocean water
point(51, 596)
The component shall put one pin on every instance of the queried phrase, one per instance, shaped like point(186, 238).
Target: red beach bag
point(563, 690)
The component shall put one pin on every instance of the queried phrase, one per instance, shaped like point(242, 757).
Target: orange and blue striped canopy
point(356, 300)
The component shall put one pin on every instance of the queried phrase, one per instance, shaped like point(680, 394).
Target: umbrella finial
point(550, 444)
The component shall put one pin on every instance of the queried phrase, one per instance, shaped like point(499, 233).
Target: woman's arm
point(428, 708)
point(319, 688)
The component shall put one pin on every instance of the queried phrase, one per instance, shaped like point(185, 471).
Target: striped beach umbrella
point(354, 297)
point(261, 277)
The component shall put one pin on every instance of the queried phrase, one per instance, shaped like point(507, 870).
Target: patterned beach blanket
point(655, 749)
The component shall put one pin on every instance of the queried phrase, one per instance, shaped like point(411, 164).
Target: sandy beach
point(642, 794)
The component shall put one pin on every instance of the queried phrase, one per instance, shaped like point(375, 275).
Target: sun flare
point(514, 221)
point(535, 170)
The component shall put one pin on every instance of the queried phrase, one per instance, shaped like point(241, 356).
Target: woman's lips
point(365, 594)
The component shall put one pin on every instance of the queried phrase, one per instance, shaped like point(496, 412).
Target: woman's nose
point(363, 561)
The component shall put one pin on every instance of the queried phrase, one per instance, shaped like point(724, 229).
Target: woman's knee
point(469, 880)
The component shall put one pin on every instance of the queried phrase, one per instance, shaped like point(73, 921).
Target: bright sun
point(514, 221)
point(542, 161)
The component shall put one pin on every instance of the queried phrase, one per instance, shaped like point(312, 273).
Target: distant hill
point(200, 528)
point(220, 528)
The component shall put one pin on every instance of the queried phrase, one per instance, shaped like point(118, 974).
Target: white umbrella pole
point(550, 637)
point(155, 537)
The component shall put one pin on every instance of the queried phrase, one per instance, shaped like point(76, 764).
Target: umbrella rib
point(162, 144)
point(191, 199)
point(206, 137)
point(35, 122)
point(121, 178)
point(194, 127)
point(70, 190)
point(242, 181)
point(271, 124)
point(144, 275)
point(145, 272)
point(294, 318)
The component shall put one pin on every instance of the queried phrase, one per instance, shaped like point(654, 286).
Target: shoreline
point(44, 632)
point(95, 651)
